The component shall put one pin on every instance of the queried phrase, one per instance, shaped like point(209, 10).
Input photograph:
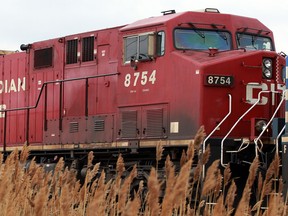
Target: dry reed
point(32, 191)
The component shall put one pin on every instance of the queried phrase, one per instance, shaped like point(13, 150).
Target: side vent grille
point(73, 127)
point(43, 58)
point(129, 124)
point(71, 51)
point(88, 49)
point(99, 125)
point(154, 123)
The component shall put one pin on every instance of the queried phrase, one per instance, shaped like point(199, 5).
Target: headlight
point(260, 125)
point(267, 68)
point(267, 73)
point(267, 63)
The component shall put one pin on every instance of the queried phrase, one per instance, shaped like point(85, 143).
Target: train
point(122, 90)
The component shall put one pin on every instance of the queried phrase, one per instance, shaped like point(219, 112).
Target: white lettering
point(21, 84)
point(5, 86)
point(1, 86)
point(252, 90)
point(138, 78)
point(249, 93)
point(13, 85)
point(273, 95)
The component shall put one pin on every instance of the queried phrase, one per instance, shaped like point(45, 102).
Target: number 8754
point(140, 78)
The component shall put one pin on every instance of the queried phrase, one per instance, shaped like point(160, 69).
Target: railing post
point(86, 97)
point(45, 108)
point(60, 105)
point(5, 132)
point(27, 126)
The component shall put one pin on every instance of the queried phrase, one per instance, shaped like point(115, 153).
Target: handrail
point(44, 88)
point(57, 81)
point(268, 123)
point(245, 113)
point(220, 123)
point(279, 135)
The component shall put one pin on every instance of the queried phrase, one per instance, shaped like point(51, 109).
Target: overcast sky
point(28, 21)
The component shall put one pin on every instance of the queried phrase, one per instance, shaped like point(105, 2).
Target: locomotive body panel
point(45, 62)
point(13, 87)
point(246, 73)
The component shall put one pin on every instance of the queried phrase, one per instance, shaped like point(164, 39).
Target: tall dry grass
point(33, 191)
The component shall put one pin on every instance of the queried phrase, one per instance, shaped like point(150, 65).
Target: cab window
point(136, 47)
point(144, 47)
point(201, 39)
point(160, 43)
point(253, 42)
point(130, 45)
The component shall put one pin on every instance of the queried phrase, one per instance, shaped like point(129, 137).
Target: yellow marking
point(118, 144)
point(286, 116)
point(285, 139)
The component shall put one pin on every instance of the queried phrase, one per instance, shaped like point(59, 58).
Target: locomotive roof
point(151, 21)
point(234, 22)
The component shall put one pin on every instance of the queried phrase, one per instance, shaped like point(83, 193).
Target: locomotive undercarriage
point(239, 158)
point(76, 159)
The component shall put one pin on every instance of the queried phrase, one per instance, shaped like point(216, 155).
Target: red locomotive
point(122, 89)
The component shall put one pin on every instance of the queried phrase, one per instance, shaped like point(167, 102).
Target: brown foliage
point(35, 192)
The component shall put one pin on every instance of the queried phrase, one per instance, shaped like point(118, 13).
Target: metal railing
point(238, 120)
point(268, 123)
point(44, 89)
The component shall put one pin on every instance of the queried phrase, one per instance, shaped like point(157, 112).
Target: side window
point(143, 46)
point(253, 42)
point(160, 43)
point(140, 47)
point(130, 46)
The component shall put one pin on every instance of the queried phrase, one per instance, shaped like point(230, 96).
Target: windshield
point(253, 42)
point(197, 39)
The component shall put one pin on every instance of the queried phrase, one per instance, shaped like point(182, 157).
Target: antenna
point(212, 10)
point(168, 12)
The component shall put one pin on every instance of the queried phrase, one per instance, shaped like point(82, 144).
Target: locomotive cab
point(224, 75)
